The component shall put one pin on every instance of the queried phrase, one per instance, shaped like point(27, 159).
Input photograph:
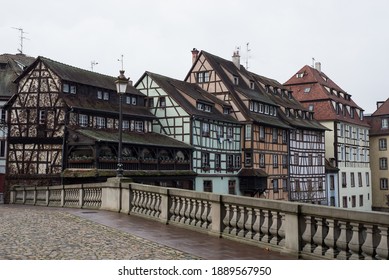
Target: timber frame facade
point(347, 141)
point(265, 138)
point(187, 113)
point(63, 126)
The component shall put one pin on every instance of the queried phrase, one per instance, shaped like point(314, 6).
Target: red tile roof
point(383, 109)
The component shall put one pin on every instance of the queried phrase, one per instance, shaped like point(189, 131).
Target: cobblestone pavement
point(36, 233)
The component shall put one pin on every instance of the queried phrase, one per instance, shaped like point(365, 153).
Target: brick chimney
point(380, 103)
point(236, 59)
point(195, 55)
point(318, 66)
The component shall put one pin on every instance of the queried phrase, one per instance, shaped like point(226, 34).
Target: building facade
point(379, 155)
point(347, 139)
point(189, 114)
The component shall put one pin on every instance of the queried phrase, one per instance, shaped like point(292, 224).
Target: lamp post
point(121, 88)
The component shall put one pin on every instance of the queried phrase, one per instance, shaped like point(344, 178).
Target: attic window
point(66, 88)
point(236, 80)
point(73, 89)
point(226, 111)
point(311, 107)
point(307, 90)
point(300, 75)
point(204, 107)
point(203, 77)
point(252, 85)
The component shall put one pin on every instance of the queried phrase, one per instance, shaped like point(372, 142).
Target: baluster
point(382, 248)
point(329, 240)
point(227, 218)
point(257, 225)
point(147, 208)
point(281, 230)
point(209, 216)
point(152, 204)
point(188, 210)
point(135, 201)
point(265, 226)
point(355, 244)
point(199, 213)
point(368, 245)
point(205, 215)
point(173, 208)
point(178, 209)
point(193, 212)
point(274, 227)
point(248, 226)
point(307, 235)
point(318, 238)
point(183, 209)
point(241, 221)
point(143, 202)
point(341, 243)
point(234, 220)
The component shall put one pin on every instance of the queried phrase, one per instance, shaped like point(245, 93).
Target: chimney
point(380, 103)
point(195, 54)
point(236, 59)
point(318, 66)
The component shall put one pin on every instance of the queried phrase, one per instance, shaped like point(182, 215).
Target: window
point(139, 126)
point(284, 161)
point(2, 148)
point(307, 90)
point(353, 201)
point(344, 180)
point(352, 179)
point(162, 102)
point(66, 88)
point(237, 163)
point(360, 179)
point(332, 201)
point(205, 129)
point(100, 122)
point(275, 161)
point(300, 75)
point(285, 184)
point(73, 89)
point(275, 185)
point(310, 159)
point(360, 200)
point(230, 161)
point(125, 125)
point(252, 85)
point(42, 117)
point(106, 95)
point(383, 163)
point(296, 159)
point(275, 135)
point(261, 133)
point(262, 160)
point(3, 115)
point(267, 109)
point(332, 182)
point(204, 160)
point(217, 161)
point(284, 137)
point(248, 132)
point(384, 123)
point(99, 94)
point(319, 160)
point(230, 132)
point(219, 131)
point(207, 186)
point(344, 201)
point(231, 187)
point(367, 177)
point(82, 120)
point(382, 144)
point(384, 184)
point(236, 80)
point(226, 111)
point(320, 184)
point(248, 159)
point(203, 77)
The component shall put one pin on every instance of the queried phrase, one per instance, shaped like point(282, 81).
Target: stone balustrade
point(305, 230)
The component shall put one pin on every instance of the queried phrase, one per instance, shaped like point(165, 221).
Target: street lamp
point(121, 88)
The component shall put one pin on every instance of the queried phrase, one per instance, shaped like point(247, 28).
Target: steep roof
point(178, 89)
point(11, 66)
point(383, 109)
point(375, 120)
point(312, 86)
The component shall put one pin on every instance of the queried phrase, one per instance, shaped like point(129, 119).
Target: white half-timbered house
point(265, 136)
point(63, 127)
point(187, 113)
point(347, 141)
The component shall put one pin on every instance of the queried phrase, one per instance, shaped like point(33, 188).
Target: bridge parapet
point(308, 231)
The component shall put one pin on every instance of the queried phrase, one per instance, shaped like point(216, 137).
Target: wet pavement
point(34, 232)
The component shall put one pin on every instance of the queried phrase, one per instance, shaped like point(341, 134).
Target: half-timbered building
point(187, 113)
point(265, 136)
point(63, 127)
point(11, 65)
point(347, 142)
point(307, 175)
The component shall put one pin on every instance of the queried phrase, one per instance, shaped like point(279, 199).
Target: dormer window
point(252, 85)
point(106, 95)
point(73, 89)
point(226, 111)
point(300, 75)
point(131, 100)
point(99, 94)
point(162, 102)
point(307, 90)
point(66, 88)
point(236, 80)
point(204, 107)
point(267, 109)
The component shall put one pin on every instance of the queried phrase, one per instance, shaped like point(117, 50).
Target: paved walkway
point(33, 232)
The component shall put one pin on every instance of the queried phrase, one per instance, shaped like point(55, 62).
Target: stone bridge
point(300, 230)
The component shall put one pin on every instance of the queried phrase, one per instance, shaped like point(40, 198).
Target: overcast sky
point(349, 38)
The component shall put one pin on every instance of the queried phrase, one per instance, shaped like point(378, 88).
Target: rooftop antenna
point(247, 55)
point(92, 64)
point(21, 38)
point(121, 60)
point(313, 62)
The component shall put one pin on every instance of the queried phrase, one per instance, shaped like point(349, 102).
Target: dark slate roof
point(178, 89)
point(251, 172)
point(15, 64)
point(134, 138)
